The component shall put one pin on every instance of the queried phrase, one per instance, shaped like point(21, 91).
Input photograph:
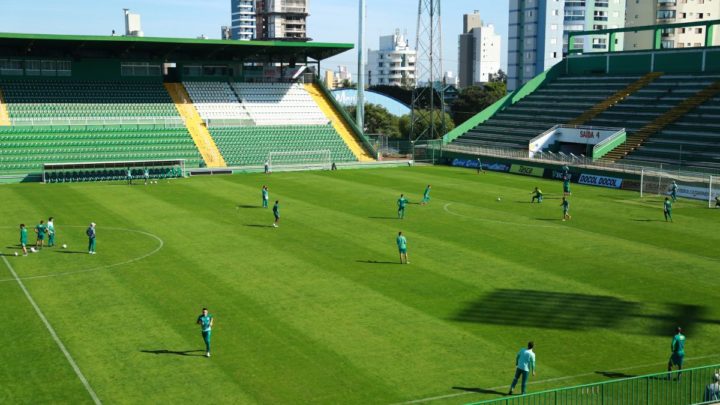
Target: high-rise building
point(479, 50)
point(283, 20)
point(341, 75)
point(243, 19)
point(646, 12)
point(393, 64)
point(535, 38)
point(588, 15)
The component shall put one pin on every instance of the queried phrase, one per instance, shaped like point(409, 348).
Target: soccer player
point(479, 168)
point(205, 320)
point(40, 230)
point(276, 213)
point(566, 209)
point(677, 347)
point(712, 391)
point(565, 171)
point(146, 175)
point(524, 364)
point(667, 209)
point(129, 176)
point(537, 195)
point(673, 191)
point(426, 196)
point(265, 196)
point(566, 185)
point(402, 247)
point(90, 232)
point(267, 167)
point(401, 203)
point(51, 232)
point(23, 239)
point(717, 201)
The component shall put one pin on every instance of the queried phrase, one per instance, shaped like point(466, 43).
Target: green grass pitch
point(318, 311)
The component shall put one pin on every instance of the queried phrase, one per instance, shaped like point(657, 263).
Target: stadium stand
point(248, 146)
point(279, 104)
point(217, 101)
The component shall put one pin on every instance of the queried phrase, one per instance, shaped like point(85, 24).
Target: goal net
point(300, 160)
point(695, 186)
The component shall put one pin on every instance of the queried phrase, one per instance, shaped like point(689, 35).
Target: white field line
point(161, 243)
point(54, 335)
point(570, 377)
point(446, 207)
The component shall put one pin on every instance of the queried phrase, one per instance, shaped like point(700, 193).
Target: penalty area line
point(569, 377)
point(54, 335)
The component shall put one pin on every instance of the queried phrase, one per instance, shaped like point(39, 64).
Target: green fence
point(680, 388)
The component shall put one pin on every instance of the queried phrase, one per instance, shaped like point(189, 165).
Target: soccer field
point(318, 311)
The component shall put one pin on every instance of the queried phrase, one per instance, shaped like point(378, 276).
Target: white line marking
point(459, 394)
point(161, 243)
point(54, 335)
point(495, 221)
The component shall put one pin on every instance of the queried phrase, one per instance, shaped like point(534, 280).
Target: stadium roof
point(167, 49)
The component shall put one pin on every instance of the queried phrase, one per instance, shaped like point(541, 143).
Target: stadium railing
point(678, 388)
point(154, 122)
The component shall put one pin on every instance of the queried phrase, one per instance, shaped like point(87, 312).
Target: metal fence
point(679, 388)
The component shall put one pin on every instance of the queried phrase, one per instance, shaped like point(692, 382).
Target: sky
point(329, 21)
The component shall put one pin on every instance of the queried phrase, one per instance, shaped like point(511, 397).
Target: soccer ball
point(32, 249)
point(16, 253)
point(64, 246)
point(499, 199)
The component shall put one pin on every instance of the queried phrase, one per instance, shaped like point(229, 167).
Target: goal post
point(695, 186)
point(300, 160)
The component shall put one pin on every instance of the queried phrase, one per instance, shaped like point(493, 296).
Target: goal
point(300, 160)
point(695, 186)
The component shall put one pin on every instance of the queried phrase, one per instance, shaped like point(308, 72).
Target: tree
point(423, 122)
point(378, 120)
point(474, 99)
point(347, 84)
point(499, 77)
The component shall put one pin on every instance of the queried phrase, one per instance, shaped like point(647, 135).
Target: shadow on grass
point(70, 252)
point(549, 219)
point(614, 374)
point(383, 217)
point(258, 226)
point(177, 353)
point(647, 220)
point(480, 390)
point(376, 262)
point(248, 206)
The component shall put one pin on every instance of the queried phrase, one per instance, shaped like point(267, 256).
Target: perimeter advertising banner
point(600, 181)
point(527, 170)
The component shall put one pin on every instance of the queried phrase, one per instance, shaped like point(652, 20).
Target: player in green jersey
point(673, 191)
point(426, 195)
point(265, 196)
point(401, 203)
point(566, 209)
point(667, 209)
point(90, 232)
point(566, 185)
point(146, 175)
point(205, 320)
point(402, 247)
point(129, 176)
point(23, 239)
point(40, 231)
point(677, 347)
point(51, 232)
point(276, 213)
point(537, 195)
point(479, 166)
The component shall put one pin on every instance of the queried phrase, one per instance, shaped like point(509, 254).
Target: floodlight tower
point(360, 109)
point(428, 74)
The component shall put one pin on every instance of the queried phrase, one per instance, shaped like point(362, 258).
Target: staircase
point(4, 115)
point(339, 123)
point(636, 139)
point(615, 98)
point(195, 125)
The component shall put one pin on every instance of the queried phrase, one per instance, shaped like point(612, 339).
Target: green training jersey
point(566, 183)
point(205, 322)
point(23, 236)
point(265, 194)
point(402, 202)
point(401, 242)
point(427, 192)
point(667, 206)
point(678, 344)
point(41, 229)
point(276, 210)
point(566, 205)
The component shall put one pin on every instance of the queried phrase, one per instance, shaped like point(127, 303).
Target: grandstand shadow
point(683, 315)
point(614, 374)
point(546, 309)
point(480, 390)
point(177, 353)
